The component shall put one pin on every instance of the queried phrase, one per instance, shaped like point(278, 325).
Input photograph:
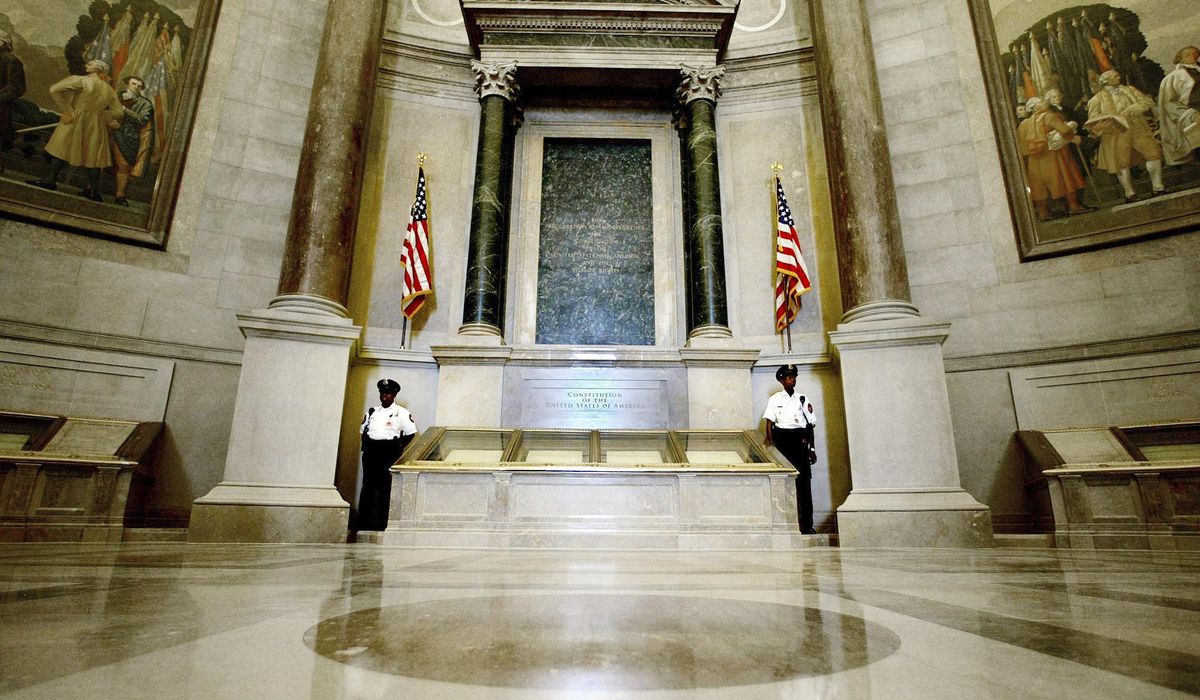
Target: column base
point(269, 513)
point(710, 330)
point(914, 517)
point(485, 330)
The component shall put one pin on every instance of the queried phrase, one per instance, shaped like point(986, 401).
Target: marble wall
point(1140, 299)
point(223, 253)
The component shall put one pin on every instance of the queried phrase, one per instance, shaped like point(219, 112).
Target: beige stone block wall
point(962, 253)
point(222, 255)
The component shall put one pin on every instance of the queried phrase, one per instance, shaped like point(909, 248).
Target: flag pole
point(786, 337)
point(421, 158)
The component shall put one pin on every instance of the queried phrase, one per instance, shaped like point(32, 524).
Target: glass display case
point(568, 487)
point(630, 447)
point(67, 478)
point(469, 448)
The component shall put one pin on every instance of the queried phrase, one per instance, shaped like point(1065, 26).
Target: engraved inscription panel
point(596, 243)
point(567, 403)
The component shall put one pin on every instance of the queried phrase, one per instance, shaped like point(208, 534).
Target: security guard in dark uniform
point(790, 422)
point(386, 431)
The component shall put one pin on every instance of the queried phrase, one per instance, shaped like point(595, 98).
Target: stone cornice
point(516, 25)
point(591, 25)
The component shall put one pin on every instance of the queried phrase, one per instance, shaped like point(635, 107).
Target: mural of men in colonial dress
point(88, 105)
point(1052, 173)
point(1117, 116)
point(133, 139)
point(12, 86)
point(1179, 108)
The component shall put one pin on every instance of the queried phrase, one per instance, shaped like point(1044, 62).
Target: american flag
point(415, 256)
point(791, 275)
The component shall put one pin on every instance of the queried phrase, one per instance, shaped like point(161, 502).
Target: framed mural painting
point(97, 99)
point(1095, 108)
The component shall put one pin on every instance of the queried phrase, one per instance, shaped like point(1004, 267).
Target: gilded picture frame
point(1079, 168)
point(124, 189)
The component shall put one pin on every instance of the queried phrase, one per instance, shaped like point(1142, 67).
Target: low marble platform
point(582, 506)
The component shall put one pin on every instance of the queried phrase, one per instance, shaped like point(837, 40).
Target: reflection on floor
point(361, 621)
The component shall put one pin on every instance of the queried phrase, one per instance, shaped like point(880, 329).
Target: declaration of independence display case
point(1117, 487)
point(72, 479)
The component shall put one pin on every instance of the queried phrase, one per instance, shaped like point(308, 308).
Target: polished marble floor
point(174, 620)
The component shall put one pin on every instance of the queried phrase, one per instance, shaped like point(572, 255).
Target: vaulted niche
point(600, 218)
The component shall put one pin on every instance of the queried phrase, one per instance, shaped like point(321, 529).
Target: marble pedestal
point(903, 462)
point(278, 482)
point(471, 381)
point(718, 374)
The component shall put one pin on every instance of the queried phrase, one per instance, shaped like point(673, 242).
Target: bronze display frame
point(148, 229)
point(1178, 217)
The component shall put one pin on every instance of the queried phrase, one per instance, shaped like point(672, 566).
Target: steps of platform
point(573, 540)
point(1044, 540)
point(155, 534)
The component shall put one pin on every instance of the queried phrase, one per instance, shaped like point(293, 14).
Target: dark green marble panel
point(596, 259)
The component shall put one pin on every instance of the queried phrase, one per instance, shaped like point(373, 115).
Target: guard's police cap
point(786, 371)
point(388, 386)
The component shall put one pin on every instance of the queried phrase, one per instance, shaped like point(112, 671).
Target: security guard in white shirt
point(386, 431)
point(790, 421)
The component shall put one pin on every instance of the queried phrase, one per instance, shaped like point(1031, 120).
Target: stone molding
point(309, 304)
point(735, 358)
point(496, 79)
point(882, 310)
point(306, 327)
point(17, 330)
point(509, 28)
point(1166, 342)
point(910, 499)
point(392, 357)
point(60, 379)
point(259, 494)
point(699, 83)
point(889, 334)
point(470, 355)
point(772, 361)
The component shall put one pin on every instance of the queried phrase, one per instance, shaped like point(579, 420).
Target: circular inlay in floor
point(601, 642)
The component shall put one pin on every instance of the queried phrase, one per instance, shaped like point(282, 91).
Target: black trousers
point(794, 444)
point(378, 456)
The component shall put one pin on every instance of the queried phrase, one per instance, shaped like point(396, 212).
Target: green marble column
point(703, 239)
point(483, 305)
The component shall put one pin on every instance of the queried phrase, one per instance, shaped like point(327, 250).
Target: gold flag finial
point(776, 167)
point(421, 158)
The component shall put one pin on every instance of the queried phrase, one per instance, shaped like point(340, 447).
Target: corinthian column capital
point(496, 79)
point(703, 83)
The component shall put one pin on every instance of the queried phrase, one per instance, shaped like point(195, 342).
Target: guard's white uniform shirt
point(388, 423)
point(790, 412)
